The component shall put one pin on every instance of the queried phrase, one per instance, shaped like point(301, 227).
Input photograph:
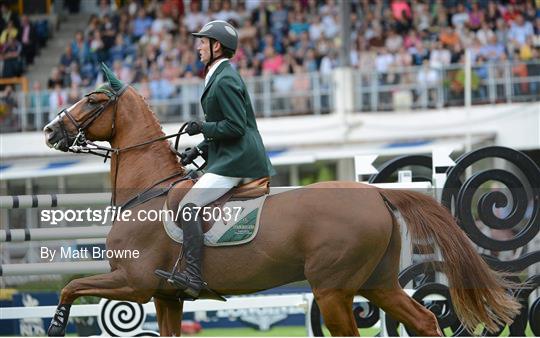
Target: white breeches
point(208, 188)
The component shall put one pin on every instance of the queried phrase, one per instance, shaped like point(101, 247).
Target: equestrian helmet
point(221, 31)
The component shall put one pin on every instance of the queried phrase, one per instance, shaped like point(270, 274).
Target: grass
point(295, 331)
point(279, 331)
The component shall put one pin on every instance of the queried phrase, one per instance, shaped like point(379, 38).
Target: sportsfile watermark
point(119, 214)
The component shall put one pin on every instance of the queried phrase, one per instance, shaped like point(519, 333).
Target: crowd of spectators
point(151, 45)
point(20, 40)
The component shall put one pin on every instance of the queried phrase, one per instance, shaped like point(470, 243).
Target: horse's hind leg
point(169, 314)
point(396, 303)
point(112, 285)
point(336, 309)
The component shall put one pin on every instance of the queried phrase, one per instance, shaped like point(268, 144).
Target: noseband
point(80, 142)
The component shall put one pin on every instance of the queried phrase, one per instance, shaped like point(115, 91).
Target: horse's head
point(92, 118)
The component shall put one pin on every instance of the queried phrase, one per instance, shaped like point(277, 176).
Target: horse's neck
point(141, 167)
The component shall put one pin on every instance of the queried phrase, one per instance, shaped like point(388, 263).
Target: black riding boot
point(190, 279)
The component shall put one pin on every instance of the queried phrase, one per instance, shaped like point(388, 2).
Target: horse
point(342, 237)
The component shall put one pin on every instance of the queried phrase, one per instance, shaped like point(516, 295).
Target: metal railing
point(271, 96)
point(425, 87)
point(398, 89)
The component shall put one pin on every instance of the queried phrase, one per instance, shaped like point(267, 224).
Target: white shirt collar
point(212, 70)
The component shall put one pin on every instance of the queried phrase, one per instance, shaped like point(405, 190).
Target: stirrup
point(182, 282)
point(209, 293)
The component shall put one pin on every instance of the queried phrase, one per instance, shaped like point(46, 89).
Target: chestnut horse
point(342, 237)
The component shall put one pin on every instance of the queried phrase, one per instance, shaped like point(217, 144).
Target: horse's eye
point(91, 100)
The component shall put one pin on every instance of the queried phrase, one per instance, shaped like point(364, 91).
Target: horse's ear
point(114, 82)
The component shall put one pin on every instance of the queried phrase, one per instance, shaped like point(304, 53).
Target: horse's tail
point(478, 293)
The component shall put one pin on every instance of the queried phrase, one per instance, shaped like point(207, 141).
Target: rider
point(232, 144)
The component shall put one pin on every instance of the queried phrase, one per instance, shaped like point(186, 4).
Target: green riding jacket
point(232, 142)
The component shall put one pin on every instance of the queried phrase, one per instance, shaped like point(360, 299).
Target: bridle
point(81, 144)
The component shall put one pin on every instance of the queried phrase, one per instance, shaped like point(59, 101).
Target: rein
point(82, 145)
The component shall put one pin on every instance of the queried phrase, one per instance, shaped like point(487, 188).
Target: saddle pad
point(241, 229)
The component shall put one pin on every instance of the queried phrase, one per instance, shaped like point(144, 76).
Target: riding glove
point(194, 128)
point(188, 155)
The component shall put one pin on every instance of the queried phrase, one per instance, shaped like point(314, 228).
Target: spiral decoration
point(389, 169)
point(364, 317)
point(121, 318)
point(457, 195)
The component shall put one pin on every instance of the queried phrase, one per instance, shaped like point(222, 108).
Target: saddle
point(244, 191)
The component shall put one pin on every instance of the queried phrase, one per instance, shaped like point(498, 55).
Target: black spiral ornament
point(457, 195)
point(121, 318)
point(390, 168)
point(366, 315)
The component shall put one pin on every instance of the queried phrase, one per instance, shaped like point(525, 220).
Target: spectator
point(161, 23)
point(484, 34)
point(10, 31)
point(11, 54)
point(108, 32)
point(55, 79)
point(226, 13)
point(80, 48)
point(39, 103)
point(160, 87)
point(460, 18)
point(422, 19)
point(492, 14)
point(67, 57)
point(519, 31)
point(298, 24)
point(419, 53)
point(57, 100)
point(493, 50)
point(283, 85)
point(403, 58)
point(9, 121)
point(330, 26)
point(272, 62)
point(28, 40)
point(7, 15)
point(195, 19)
point(98, 53)
point(393, 42)
point(75, 75)
point(329, 62)
point(247, 32)
point(310, 62)
point(315, 28)
point(141, 24)
point(400, 9)
point(278, 21)
point(449, 37)
point(301, 87)
point(74, 95)
point(476, 17)
point(104, 8)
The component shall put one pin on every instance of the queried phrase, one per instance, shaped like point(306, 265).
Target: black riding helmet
point(222, 31)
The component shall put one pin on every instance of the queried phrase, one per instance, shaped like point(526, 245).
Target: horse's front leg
point(112, 285)
point(169, 316)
